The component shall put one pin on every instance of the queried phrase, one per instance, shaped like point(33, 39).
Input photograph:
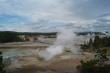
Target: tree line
point(99, 64)
point(9, 37)
point(97, 42)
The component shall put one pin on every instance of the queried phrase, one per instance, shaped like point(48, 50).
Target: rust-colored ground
point(62, 66)
point(56, 65)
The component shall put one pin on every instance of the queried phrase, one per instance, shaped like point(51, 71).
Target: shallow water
point(14, 53)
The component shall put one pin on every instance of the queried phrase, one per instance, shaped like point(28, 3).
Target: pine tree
point(1, 64)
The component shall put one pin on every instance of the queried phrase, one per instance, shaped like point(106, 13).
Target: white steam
point(64, 40)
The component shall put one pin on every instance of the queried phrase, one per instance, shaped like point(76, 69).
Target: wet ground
point(28, 61)
point(22, 57)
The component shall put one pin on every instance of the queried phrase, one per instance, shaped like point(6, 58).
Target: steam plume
point(64, 40)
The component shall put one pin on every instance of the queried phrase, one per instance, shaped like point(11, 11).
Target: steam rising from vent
point(65, 39)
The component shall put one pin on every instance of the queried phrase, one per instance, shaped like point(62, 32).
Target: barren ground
point(25, 60)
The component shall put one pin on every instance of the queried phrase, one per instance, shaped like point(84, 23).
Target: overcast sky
point(50, 15)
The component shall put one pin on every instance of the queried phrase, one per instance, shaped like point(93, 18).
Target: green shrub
point(96, 65)
point(91, 67)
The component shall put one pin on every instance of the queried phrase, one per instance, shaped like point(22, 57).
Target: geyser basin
point(29, 58)
point(61, 42)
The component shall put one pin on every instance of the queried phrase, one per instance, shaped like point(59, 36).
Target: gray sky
point(50, 15)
